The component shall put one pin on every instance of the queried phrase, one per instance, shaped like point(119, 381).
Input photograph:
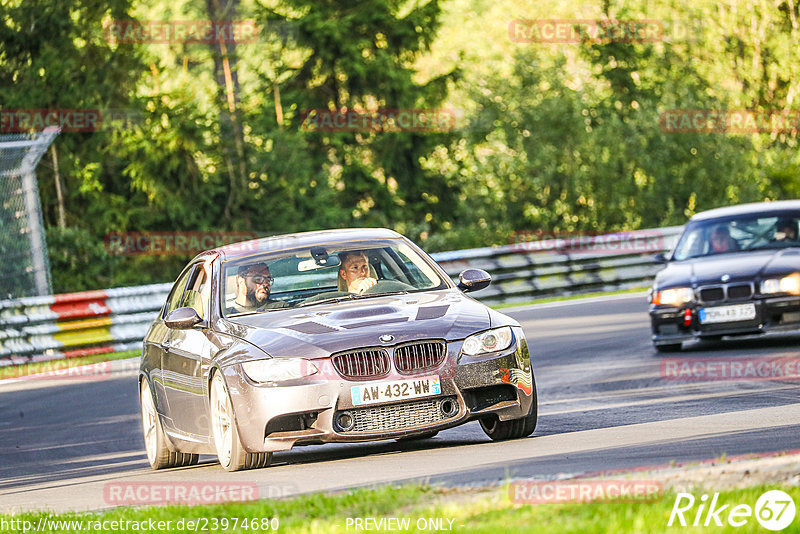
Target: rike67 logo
point(774, 510)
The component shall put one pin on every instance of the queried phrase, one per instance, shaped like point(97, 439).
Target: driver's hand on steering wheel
point(362, 285)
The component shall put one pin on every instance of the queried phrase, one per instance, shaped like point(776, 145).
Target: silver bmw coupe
point(329, 336)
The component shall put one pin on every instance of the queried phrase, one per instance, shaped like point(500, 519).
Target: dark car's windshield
point(734, 234)
point(323, 274)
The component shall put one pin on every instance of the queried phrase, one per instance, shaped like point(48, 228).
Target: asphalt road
point(603, 405)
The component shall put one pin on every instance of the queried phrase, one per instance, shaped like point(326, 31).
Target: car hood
point(320, 330)
point(739, 266)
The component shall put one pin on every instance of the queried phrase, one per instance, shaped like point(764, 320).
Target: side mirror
point(183, 318)
point(473, 280)
point(660, 258)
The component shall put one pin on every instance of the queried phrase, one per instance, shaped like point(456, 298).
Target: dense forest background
point(548, 136)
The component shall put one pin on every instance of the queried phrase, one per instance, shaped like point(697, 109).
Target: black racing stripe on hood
point(431, 312)
point(376, 322)
point(310, 327)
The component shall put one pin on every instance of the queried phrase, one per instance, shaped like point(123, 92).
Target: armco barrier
point(113, 320)
point(77, 324)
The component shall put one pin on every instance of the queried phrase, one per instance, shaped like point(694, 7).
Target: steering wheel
point(386, 286)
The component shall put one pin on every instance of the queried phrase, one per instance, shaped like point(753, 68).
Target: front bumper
point(672, 325)
point(275, 418)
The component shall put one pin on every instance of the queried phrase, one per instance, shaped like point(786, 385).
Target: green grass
point(488, 512)
point(570, 297)
point(16, 371)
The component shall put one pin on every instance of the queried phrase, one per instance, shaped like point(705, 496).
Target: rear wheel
point(155, 442)
point(231, 454)
point(515, 428)
point(671, 347)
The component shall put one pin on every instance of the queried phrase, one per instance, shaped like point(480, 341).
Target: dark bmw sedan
point(330, 336)
point(734, 271)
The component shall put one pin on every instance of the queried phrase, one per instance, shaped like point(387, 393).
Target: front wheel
point(515, 428)
point(155, 442)
point(231, 454)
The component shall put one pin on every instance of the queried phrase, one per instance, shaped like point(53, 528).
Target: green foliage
point(549, 137)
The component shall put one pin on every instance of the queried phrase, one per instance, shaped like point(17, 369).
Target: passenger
point(253, 286)
point(721, 240)
point(355, 273)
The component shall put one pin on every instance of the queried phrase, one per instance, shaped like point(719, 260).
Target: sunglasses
point(260, 279)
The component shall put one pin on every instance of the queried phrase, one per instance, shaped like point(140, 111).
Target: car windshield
point(324, 274)
point(735, 234)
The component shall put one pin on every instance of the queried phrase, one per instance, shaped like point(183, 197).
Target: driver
point(253, 285)
point(786, 230)
point(721, 240)
point(355, 272)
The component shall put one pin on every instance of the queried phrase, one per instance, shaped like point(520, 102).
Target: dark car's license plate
point(727, 314)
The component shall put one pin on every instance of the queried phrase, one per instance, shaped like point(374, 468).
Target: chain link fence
point(24, 265)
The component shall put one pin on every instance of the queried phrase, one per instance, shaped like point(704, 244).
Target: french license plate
point(395, 390)
point(727, 314)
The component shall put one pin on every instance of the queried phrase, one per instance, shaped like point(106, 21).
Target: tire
point(672, 347)
point(231, 454)
point(419, 437)
point(155, 442)
point(515, 428)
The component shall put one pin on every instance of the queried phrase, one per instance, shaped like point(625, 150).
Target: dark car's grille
point(712, 294)
point(399, 416)
point(369, 363)
point(741, 291)
point(726, 292)
point(419, 356)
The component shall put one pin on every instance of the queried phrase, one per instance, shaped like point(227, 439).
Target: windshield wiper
point(327, 301)
point(366, 295)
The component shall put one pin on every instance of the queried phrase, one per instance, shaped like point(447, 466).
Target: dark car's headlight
point(278, 369)
point(489, 341)
point(788, 284)
point(675, 296)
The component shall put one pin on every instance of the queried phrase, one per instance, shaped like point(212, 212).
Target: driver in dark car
point(786, 230)
point(253, 285)
point(721, 240)
point(355, 272)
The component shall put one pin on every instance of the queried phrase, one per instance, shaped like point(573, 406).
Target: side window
point(175, 296)
point(196, 289)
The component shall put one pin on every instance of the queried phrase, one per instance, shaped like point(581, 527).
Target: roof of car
point(304, 239)
point(747, 209)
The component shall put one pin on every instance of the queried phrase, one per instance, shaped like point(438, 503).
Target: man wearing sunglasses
point(253, 284)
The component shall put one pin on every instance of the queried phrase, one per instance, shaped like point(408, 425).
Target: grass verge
point(422, 507)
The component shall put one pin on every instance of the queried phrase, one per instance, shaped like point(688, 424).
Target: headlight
point(787, 284)
point(674, 296)
point(490, 341)
point(278, 369)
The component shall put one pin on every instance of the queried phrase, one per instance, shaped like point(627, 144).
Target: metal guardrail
point(114, 320)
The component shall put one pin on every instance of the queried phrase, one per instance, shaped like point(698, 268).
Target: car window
point(742, 233)
point(301, 277)
point(196, 294)
point(176, 294)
